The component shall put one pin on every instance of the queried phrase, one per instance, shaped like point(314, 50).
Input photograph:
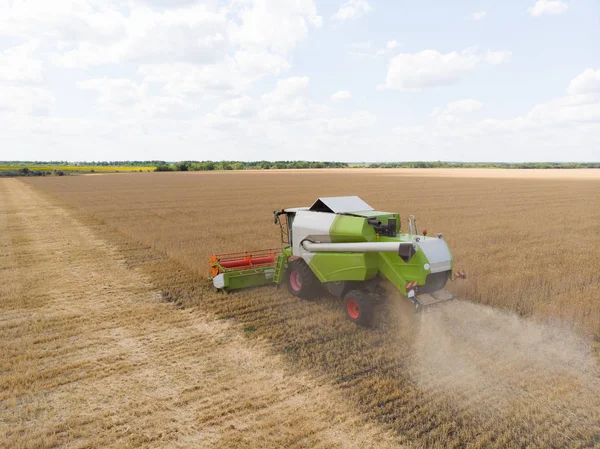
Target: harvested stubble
point(466, 375)
point(91, 356)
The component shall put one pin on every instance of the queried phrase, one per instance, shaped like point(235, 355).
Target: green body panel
point(399, 272)
point(346, 228)
point(330, 267)
point(363, 266)
point(280, 268)
point(248, 278)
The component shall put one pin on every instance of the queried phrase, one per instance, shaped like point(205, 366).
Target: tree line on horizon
point(278, 165)
point(161, 166)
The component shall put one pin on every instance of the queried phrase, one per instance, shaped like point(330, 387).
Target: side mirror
point(275, 217)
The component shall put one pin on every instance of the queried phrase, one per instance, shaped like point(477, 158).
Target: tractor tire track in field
point(92, 356)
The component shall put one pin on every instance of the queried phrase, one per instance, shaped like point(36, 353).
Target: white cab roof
point(340, 204)
point(296, 209)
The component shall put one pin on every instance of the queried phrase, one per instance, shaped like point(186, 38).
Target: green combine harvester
point(343, 245)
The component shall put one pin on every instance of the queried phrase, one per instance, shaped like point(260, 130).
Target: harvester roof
point(340, 205)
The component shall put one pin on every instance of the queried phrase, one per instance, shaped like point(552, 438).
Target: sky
point(331, 80)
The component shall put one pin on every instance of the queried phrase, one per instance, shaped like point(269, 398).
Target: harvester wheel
point(302, 282)
point(359, 307)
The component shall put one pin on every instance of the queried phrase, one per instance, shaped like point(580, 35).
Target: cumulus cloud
point(187, 74)
point(210, 80)
point(454, 111)
point(430, 68)
point(248, 39)
point(241, 107)
point(20, 65)
point(551, 7)
point(275, 25)
point(123, 96)
point(288, 101)
point(479, 15)
point(459, 107)
point(287, 89)
point(341, 95)
point(25, 100)
point(191, 35)
point(257, 64)
point(587, 82)
point(352, 10)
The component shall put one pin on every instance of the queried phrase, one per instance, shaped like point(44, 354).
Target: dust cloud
point(497, 362)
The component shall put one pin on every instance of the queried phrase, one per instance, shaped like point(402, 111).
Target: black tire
point(434, 282)
point(301, 281)
point(340, 288)
point(359, 307)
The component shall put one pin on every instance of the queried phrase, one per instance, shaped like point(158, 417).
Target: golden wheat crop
point(463, 375)
point(527, 245)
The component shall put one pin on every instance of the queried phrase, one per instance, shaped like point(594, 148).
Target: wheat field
point(115, 339)
point(529, 244)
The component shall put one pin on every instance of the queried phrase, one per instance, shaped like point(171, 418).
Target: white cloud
point(455, 111)
point(257, 64)
point(191, 35)
point(552, 7)
point(210, 80)
point(125, 97)
point(366, 49)
point(241, 107)
point(498, 57)
point(348, 126)
point(115, 94)
point(341, 95)
point(459, 107)
point(587, 82)
point(19, 65)
point(390, 45)
point(479, 15)
point(287, 89)
point(189, 75)
point(352, 10)
point(25, 100)
point(65, 20)
point(275, 25)
point(257, 34)
point(288, 102)
point(430, 68)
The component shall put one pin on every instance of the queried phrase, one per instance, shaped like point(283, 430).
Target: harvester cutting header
point(343, 245)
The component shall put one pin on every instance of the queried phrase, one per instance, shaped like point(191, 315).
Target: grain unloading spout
point(401, 248)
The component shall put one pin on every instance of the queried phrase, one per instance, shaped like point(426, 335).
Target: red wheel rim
point(295, 281)
point(353, 309)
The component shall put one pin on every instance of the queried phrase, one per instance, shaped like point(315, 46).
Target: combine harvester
point(343, 245)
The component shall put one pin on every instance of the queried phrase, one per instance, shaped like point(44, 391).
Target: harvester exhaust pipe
point(404, 249)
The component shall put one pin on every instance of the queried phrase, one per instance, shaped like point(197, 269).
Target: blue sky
point(351, 80)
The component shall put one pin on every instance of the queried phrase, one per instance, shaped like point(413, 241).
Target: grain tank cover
point(340, 205)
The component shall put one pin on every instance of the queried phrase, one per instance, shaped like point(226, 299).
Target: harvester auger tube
point(345, 246)
point(360, 247)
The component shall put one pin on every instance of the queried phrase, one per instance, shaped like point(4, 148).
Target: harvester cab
point(343, 245)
